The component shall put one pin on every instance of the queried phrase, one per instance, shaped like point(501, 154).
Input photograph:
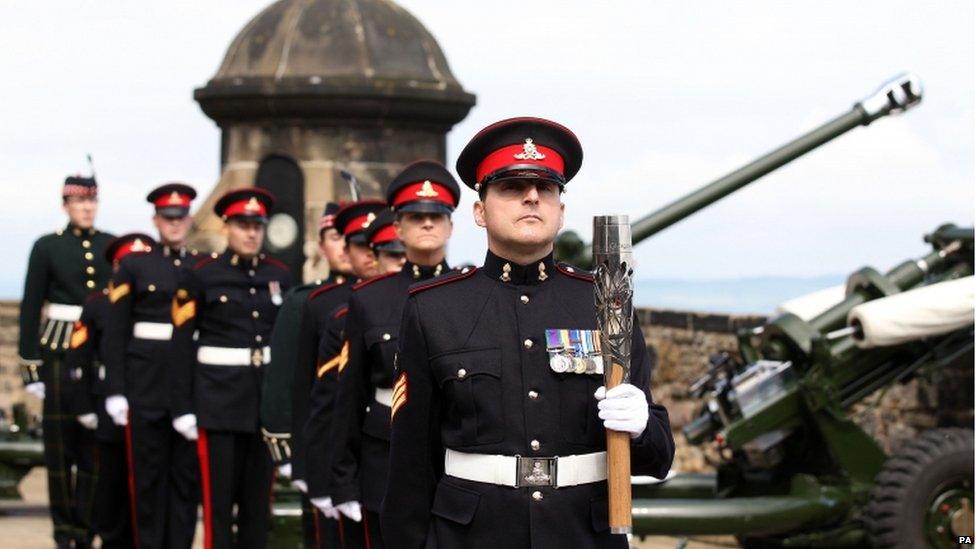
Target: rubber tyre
point(908, 482)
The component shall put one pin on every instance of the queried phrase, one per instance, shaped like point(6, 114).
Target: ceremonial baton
point(613, 293)
point(355, 190)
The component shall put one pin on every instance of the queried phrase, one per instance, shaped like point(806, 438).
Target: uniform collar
point(338, 278)
point(421, 272)
point(509, 272)
point(238, 261)
point(173, 252)
point(71, 229)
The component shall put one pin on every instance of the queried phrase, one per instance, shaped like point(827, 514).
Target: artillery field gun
point(796, 471)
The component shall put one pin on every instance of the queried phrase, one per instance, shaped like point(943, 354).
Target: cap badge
point(427, 190)
point(252, 205)
point(529, 152)
point(139, 246)
point(369, 220)
point(174, 198)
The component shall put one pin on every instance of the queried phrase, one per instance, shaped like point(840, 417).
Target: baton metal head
point(355, 191)
point(614, 290)
point(894, 96)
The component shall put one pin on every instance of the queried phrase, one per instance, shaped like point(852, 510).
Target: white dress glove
point(36, 389)
point(186, 425)
point(284, 470)
point(88, 421)
point(300, 485)
point(352, 510)
point(325, 505)
point(117, 407)
point(623, 408)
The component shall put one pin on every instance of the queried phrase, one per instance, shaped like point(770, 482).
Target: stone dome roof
point(369, 57)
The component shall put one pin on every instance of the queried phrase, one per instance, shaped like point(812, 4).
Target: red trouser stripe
point(365, 526)
point(315, 526)
point(132, 480)
point(203, 453)
point(342, 533)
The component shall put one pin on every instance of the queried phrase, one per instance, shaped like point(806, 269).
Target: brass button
point(386, 337)
point(253, 291)
point(258, 338)
point(90, 270)
point(90, 283)
point(89, 256)
point(223, 299)
point(537, 495)
point(535, 445)
point(461, 373)
point(533, 395)
point(255, 314)
point(152, 287)
point(524, 298)
point(86, 243)
point(527, 343)
point(250, 272)
point(177, 262)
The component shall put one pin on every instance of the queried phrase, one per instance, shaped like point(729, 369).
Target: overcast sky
point(665, 97)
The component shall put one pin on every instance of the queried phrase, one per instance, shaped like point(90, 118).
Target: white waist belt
point(62, 312)
point(384, 396)
point(520, 471)
point(161, 331)
point(233, 356)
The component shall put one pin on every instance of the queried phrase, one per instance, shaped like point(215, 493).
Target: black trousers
point(110, 516)
point(164, 481)
point(69, 455)
point(235, 469)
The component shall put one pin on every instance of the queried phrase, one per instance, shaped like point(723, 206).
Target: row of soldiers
point(411, 403)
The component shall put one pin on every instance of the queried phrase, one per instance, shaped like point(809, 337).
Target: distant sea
point(754, 295)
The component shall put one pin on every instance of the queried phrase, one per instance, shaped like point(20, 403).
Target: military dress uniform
point(164, 473)
point(332, 355)
point(111, 516)
point(64, 267)
point(495, 442)
point(351, 221)
point(231, 303)
point(361, 431)
point(276, 394)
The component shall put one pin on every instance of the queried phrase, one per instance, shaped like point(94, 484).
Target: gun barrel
point(895, 96)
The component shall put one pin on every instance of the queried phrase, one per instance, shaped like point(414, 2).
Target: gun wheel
point(923, 496)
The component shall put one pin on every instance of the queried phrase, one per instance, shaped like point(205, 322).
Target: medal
point(274, 287)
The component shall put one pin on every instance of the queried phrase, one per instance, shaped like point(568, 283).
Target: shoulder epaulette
point(368, 281)
point(319, 291)
point(205, 261)
point(273, 261)
point(341, 313)
point(573, 272)
point(447, 278)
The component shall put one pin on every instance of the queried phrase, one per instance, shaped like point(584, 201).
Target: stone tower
point(309, 88)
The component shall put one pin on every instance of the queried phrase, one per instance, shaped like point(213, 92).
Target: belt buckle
point(535, 471)
point(257, 358)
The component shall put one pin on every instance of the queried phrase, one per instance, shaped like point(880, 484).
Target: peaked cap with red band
point(424, 186)
point(126, 244)
point(524, 148)
point(172, 199)
point(354, 218)
point(381, 234)
point(251, 204)
point(75, 185)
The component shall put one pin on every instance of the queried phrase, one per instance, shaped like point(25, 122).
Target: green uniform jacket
point(64, 267)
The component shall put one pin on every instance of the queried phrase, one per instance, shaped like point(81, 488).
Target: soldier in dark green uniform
point(64, 267)
point(277, 390)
